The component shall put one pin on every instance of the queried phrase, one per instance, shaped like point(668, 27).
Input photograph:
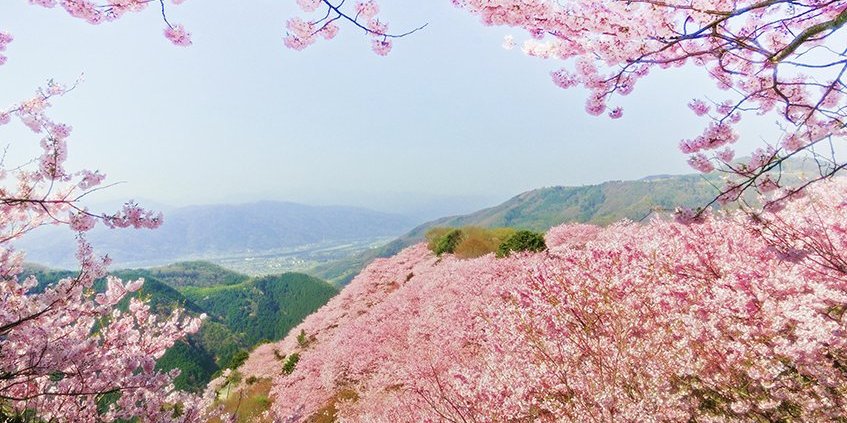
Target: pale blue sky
point(238, 117)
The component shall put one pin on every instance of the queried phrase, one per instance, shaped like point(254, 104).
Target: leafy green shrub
point(522, 241)
point(434, 234)
point(448, 242)
point(262, 401)
point(289, 365)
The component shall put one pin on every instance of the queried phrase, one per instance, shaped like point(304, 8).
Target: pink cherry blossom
point(631, 322)
point(616, 113)
point(81, 221)
point(177, 35)
point(90, 179)
point(725, 155)
point(701, 163)
point(53, 364)
point(699, 107)
point(309, 5)
point(329, 31)
point(367, 9)
point(382, 47)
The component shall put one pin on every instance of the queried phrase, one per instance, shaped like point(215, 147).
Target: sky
point(237, 117)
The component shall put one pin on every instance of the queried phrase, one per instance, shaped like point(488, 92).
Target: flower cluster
point(758, 52)
point(178, 35)
point(111, 10)
point(5, 39)
point(302, 33)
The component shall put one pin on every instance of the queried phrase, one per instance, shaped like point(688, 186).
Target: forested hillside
point(195, 274)
point(264, 308)
point(242, 311)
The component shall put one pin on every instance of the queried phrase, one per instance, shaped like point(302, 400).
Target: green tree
point(522, 241)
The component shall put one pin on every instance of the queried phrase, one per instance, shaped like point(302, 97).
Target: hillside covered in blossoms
point(724, 302)
point(731, 317)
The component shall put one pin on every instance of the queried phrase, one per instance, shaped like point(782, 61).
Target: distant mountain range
point(203, 232)
point(543, 208)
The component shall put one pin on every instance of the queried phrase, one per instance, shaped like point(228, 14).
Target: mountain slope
point(665, 321)
point(265, 308)
point(544, 208)
point(602, 204)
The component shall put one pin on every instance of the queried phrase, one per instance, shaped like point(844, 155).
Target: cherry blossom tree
point(67, 352)
point(778, 57)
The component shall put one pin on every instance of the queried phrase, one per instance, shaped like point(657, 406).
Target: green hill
point(543, 208)
point(265, 308)
point(242, 312)
point(195, 273)
point(602, 204)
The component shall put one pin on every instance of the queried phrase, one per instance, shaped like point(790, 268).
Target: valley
point(302, 258)
point(256, 238)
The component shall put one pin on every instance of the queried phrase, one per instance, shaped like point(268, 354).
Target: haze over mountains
point(335, 242)
point(246, 310)
point(221, 231)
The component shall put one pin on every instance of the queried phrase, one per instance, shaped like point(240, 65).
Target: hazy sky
point(238, 117)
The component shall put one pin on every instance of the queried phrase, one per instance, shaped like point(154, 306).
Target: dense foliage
point(265, 308)
point(446, 242)
point(520, 241)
